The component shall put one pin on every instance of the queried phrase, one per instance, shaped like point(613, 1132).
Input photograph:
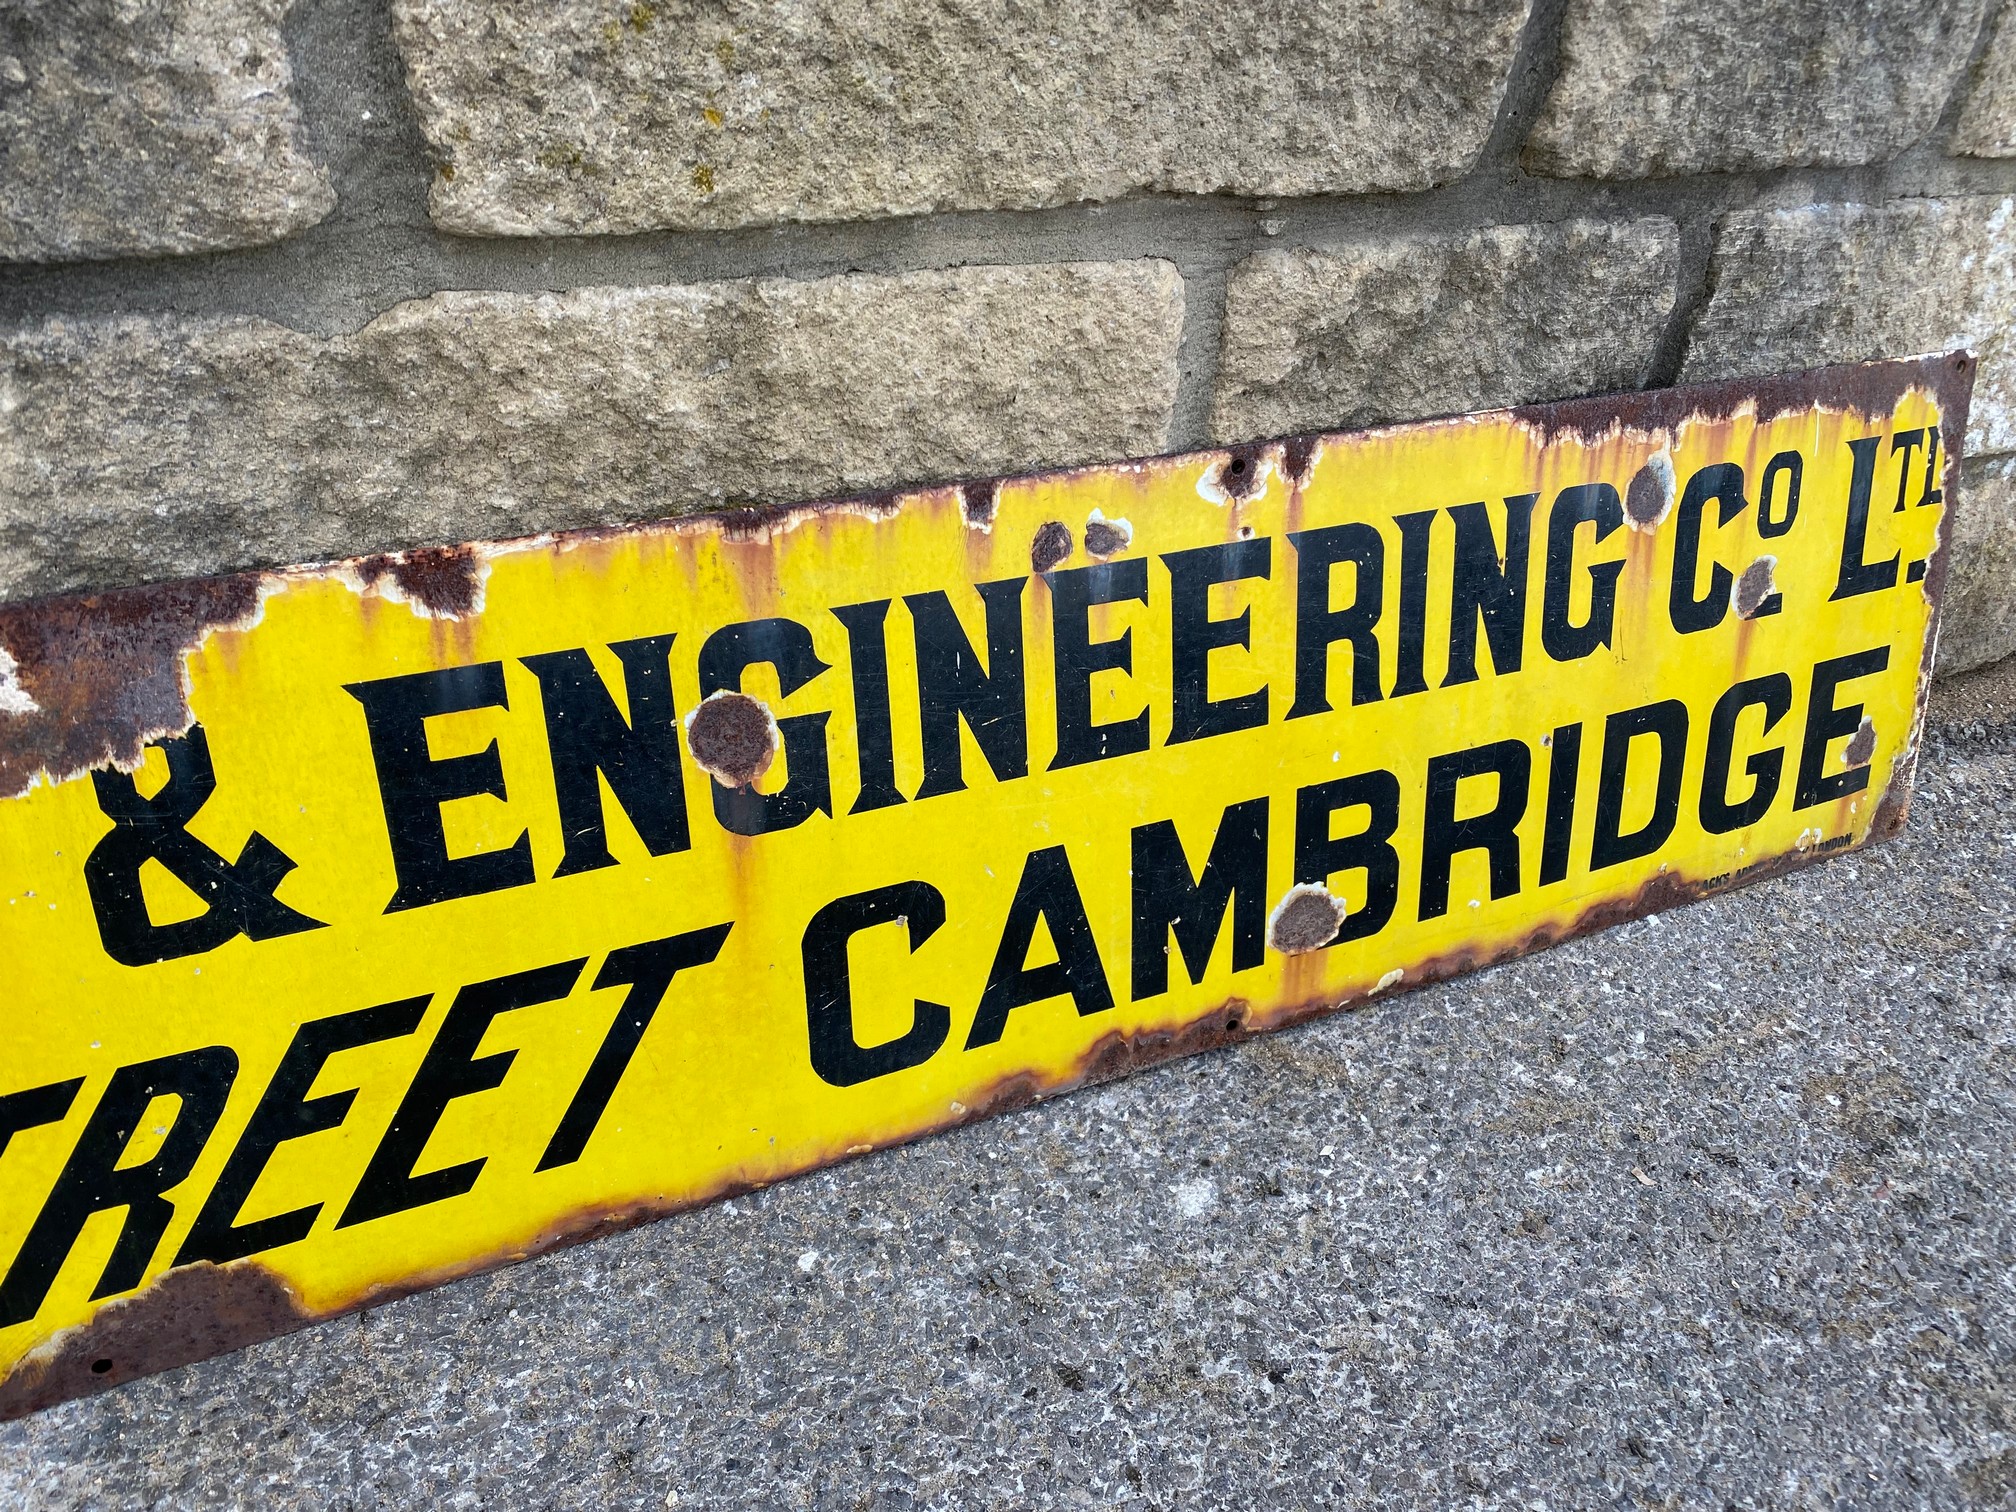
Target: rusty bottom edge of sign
point(112, 660)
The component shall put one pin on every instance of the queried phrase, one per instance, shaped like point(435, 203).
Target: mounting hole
point(99, 1367)
point(1238, 465)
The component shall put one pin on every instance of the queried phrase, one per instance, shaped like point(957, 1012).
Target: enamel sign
point(371, 924)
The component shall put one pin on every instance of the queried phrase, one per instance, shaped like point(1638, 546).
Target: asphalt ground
point(1715, 1209)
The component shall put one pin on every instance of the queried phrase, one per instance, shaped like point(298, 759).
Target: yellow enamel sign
point(371, 924)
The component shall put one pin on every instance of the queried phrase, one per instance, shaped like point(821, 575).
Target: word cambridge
point(371, 924)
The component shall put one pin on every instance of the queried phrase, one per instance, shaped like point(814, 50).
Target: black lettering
point(1665, 721)
point(639, 758)
point(786, 645)
point(647, 970)
point(93, 1181)
point(1167, 900)
point(20, 1111)
point(1318, 627)
point(412, 786)
point(286, 1112)
point(1564, 776)
point(874, 735)
point(1077, 657)
point(1048, 892)
point(1417, 534)
point(839, 1058)
point(1856, 575)
point(450, 1069)
point(1194, 635)
point(1489, 587)
point(1931, 493)
point(1319, 855)
point(237, 895)
point(1495, 831)
point(1826, 723)
point(1906, 442)
point(1585, 504)
point(952, 686)
point(1692, 612)
point(1719, 816)
point(1792, 466)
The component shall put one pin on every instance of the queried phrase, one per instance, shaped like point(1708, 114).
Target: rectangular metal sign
point(368, 925)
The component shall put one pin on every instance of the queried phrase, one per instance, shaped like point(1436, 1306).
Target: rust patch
point(758, 522)
point(104, 673)
point(1051, 545)
point(1307, 918)
point(1754, 588)
point(1107, 538)
point(751, 522)
point(733, 737)
point(446, 581)
point(978, 501)
point(1240, 474)
point(187, 1315)
point(1870, 388)
point(1861, 745)
point(1298, 456)
point(1117, 1054)
point(1650, 497)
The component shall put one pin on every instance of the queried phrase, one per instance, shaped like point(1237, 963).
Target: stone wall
point(365, 274)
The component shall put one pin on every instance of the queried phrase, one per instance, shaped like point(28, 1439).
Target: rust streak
point(1298, 456)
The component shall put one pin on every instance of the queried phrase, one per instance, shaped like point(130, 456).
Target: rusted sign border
point(104, 673)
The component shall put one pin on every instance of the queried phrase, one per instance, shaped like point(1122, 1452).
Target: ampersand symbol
point(239, 893)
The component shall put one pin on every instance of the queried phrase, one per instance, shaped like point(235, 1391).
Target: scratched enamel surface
point(721, 1090)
